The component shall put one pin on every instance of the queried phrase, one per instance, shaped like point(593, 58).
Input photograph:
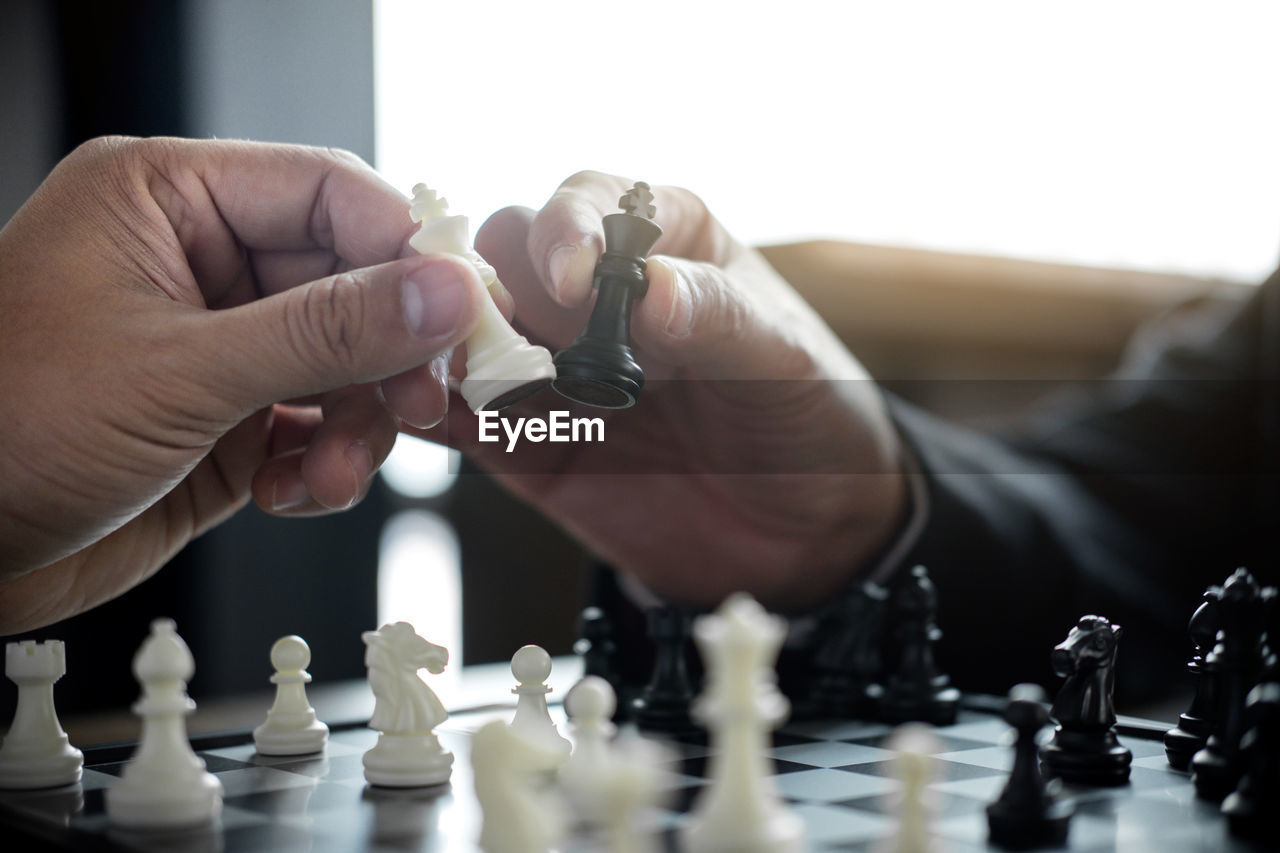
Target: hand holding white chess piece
point(502, 366)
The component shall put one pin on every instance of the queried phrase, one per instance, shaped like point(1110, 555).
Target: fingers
point(278, 197)
point(566, 238)
point(502, 241)
point(335, 467)
point(695, 315)
point(420, 397)
point(359, 326)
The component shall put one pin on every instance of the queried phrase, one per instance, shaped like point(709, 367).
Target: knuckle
point(327, 326)
point(104, 147)
point(586, 177)
point(342, 158)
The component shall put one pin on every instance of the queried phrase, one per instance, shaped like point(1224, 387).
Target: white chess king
point(502, 367)
point(739, 811)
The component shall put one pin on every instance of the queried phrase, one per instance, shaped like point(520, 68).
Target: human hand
point(759, 456)
point(158, 300)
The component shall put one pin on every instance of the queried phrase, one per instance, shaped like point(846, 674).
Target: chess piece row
point(1227, 737)
point(852, 675)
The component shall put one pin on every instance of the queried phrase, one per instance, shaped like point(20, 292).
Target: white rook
point(36, 753)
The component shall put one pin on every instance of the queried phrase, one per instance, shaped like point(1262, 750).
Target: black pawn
point(848, 660)
point(1189, 736)
point(1028, 813)
point(598, 368)
point(1250, 810)
point(599, 653)
point(1236, 663)
point(1084, 748)
point(663, 705)
point(917, 690)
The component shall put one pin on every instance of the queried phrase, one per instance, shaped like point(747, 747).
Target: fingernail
point(558, 266)
point(289, 492)
point(440, 369)
point(434, 297)
point(680, 317)
point(360, 461)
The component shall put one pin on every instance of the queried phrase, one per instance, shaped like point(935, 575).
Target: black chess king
point(598, 368)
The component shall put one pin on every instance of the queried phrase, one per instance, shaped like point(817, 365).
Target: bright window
point(1131, 134)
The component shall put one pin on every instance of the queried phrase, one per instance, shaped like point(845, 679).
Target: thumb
point(357, 326)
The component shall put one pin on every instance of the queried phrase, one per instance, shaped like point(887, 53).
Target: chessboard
point(837, 775)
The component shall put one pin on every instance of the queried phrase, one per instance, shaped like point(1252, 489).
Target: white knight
point(406, 711)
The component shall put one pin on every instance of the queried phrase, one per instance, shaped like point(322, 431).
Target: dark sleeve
point(1126, 502)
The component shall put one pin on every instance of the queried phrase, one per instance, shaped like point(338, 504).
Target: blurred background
point(981, 191)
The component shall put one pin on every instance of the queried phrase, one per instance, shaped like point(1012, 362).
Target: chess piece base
point(506, 373)
point(667, 717)
point(1014, 829)
point(301, 741)
point(1086, 758)
point(49, 768)
point(939, 708)
point(1214, 776)
point(598, 373)
point(407, 761)
point(175, 803)
point(1183, 742)
point(781, 832)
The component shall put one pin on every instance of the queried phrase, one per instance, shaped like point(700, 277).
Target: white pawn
point(914, 745)
point(502, 366)
point(531, 665)
point(291, 727)
point(520, 813)
point(36, 752)
point(590, 704)
point(165, 784)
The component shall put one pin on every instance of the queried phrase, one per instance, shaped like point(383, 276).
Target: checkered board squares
point(835, 774)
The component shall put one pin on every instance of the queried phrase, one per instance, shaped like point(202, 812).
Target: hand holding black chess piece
point(1084, 748)
point(1028, 813)
point(598, 368)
